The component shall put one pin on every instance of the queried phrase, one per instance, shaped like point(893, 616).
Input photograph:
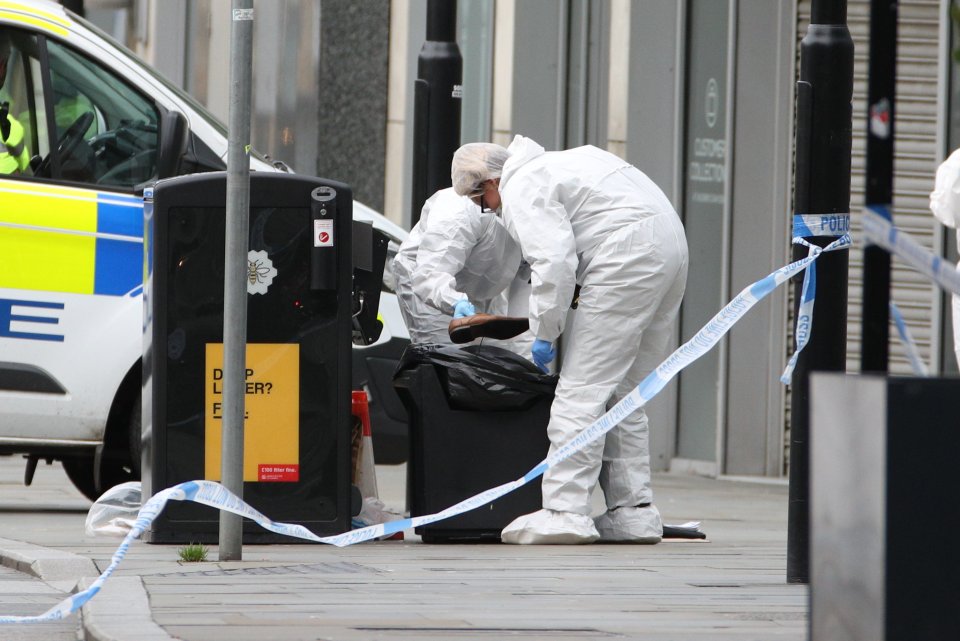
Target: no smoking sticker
point(323, 233)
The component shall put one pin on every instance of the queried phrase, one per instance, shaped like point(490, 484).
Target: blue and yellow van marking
point(62, 239)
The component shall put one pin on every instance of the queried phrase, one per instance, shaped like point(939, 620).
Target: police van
point(96, 125)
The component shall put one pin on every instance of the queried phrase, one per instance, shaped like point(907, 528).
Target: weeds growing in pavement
point(193, 553)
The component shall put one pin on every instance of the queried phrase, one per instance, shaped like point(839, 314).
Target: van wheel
point(93, 474)
point(111, 466)
point(114, 469)
point(79, 470)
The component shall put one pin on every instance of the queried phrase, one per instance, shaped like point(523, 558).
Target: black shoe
point(469, 328)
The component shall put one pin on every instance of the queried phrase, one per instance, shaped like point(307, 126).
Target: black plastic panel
point(456, 454)
point(185, 294)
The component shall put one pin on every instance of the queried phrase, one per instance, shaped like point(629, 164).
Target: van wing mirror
point(174, 134)
point(369, 258)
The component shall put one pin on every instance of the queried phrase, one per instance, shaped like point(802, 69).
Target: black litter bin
point(478, 419)
point(300, 324)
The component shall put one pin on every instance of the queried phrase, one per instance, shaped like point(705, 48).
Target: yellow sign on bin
point(271, 432)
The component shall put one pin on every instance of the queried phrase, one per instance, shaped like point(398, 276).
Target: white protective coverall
point(457, 251)
point(945, 205)
point(586, 216)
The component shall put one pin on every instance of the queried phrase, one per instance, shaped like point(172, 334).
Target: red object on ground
point(367, 481)
point(361, 409)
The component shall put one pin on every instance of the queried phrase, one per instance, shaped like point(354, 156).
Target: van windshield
point(183, 95)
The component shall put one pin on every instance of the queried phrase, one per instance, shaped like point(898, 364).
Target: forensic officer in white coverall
point(945, 205)
point(457, 261)
point(584, 216)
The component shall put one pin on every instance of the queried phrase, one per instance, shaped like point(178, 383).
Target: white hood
point(522, 150)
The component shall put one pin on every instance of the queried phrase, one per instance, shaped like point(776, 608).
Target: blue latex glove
point(463, 308)
point(543, 353)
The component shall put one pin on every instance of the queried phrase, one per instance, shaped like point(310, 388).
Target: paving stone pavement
point(732, 587)
point(22, 593)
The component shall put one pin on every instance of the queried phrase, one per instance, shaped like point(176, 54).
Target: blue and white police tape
point(806, 226)
point(916, 363)
point(831, 225)
point(881, 232)
point(215, 495)
point(71, 604)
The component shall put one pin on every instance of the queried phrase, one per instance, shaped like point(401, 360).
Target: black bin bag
point(478, 419)
point(482, 378)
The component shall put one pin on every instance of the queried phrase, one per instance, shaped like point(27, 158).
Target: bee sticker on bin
point(260, 272)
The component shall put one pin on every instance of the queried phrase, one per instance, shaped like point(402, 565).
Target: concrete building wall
point(504, 35)
point(352, 95)
point(762, 140)
point(538, 89)
point(320, 74)
point(407, 32)
point(396, 202)
point(651, 142)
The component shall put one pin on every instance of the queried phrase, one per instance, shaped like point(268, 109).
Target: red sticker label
point(323, 232)
point(278, 473)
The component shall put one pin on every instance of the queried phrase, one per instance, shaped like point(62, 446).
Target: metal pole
point(881, 87)
point(437, 100)
point(235, 272)
point(824, 124)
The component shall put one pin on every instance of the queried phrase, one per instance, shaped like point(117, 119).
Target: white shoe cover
point(550, 527)
point(630, 525)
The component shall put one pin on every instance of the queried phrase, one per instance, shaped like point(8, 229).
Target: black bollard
point(881, 90)
point(824, 124)
point(437, 99)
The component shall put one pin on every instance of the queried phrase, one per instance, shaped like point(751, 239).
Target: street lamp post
point(235, 273)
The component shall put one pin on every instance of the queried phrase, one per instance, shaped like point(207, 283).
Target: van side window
point(106, 131)
point(22, 123)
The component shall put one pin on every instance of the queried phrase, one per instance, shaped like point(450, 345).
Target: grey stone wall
point(352, 95)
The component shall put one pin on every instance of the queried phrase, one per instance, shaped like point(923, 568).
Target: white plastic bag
point(115, 512)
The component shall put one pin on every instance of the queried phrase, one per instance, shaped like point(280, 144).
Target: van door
point(71, 235)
